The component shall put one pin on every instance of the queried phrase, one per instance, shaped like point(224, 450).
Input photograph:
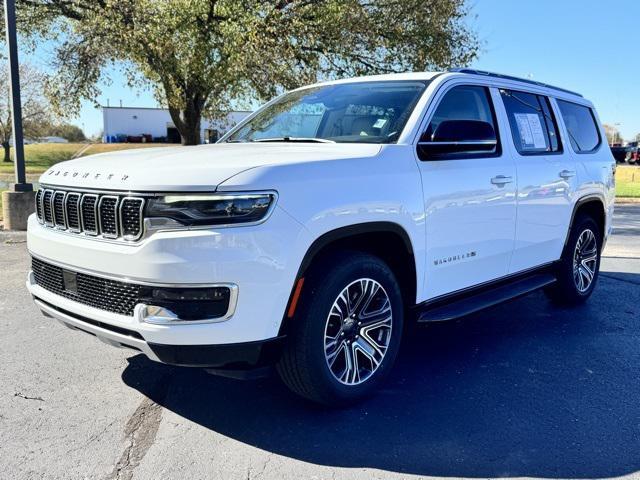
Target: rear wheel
point(578, 269)
point(345, 335)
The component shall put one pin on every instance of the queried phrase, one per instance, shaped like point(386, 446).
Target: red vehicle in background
point(633, 153)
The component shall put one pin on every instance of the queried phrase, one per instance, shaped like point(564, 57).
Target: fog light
point(157, 314)
point(170, 305)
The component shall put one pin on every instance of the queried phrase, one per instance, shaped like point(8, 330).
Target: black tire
point(566, 291)
point(304, 367)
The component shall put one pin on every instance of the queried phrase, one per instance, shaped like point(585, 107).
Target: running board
point(473, 302)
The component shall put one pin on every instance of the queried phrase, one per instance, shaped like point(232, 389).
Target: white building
point(122, 122)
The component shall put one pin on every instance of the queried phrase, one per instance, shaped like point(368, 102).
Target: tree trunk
point(191, 131)
point(189, 119)
point(7, 150)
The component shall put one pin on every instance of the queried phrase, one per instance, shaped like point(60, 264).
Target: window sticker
point(380, 123)
point(530, 129)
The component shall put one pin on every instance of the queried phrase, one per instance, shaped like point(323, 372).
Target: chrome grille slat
point(101, 215)
point(39, 213)
point(72, 209)
point(89, 214)
point(59, 216)
point(131, 209)
point(47, 207)
point(108, 216)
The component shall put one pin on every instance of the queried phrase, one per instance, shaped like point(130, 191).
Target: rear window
point(581, 125)
point(533, 125)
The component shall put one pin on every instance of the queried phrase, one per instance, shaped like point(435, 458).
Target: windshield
point(365, 112)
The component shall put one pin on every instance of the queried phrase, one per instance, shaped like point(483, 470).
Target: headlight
point(212, 209)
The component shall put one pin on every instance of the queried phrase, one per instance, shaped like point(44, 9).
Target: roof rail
point(509, 77)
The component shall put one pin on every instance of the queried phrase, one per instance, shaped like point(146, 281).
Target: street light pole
point(21, 184)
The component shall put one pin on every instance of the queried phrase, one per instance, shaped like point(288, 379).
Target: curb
point(627, 200)
point(9, 237)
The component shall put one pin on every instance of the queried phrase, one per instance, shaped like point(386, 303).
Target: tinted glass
point(465, 102)
point(581, 125)
point(364, 112)
point(532, 123)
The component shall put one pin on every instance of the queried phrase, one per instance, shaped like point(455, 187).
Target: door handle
point(501, 180)
point(567, 174)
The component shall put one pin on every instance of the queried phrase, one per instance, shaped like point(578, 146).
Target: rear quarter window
point(581, 126)
point(532, 123)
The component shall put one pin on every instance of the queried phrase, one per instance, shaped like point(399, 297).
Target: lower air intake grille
point(104, 294)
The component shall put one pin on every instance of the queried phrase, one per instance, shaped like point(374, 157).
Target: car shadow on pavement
point(523, 389)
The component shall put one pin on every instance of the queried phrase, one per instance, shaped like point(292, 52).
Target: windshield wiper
point(294, 139)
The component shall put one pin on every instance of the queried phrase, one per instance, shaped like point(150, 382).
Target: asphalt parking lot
point(522, 390)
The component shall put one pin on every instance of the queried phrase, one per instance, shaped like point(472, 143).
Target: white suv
point(310, 233)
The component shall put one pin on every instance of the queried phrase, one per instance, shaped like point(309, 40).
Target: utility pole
point(17, 202)
point(21, 184)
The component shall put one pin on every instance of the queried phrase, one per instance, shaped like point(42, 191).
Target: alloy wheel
point(358, 331)
point(585, 259)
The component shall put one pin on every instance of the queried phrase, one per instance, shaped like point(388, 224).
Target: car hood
point(198, 168)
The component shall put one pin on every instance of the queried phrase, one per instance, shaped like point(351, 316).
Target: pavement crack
point(140, 433)
point(26, 397)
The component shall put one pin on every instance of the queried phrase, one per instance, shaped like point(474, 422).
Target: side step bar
point(450, 309)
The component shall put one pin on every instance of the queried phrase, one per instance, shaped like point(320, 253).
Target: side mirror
point(459, 136)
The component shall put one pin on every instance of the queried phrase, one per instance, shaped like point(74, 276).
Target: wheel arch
point(387, 240)
point(592, 205)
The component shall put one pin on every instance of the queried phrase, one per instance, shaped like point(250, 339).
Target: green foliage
point(200, 56)
point(67, 131)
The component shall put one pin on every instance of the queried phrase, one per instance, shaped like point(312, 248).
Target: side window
point(463, 126)
point(533, 126)
point(581, 125)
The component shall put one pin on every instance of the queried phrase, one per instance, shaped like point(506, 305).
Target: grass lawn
point(628, 181)
point(40, 156)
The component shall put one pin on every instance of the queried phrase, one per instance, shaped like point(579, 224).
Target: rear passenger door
point(546, 179)
point(469, 195)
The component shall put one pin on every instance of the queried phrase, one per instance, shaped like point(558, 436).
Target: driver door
point(469, 186)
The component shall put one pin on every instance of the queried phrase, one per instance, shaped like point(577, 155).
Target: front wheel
point(345, 336)
point(577, 271)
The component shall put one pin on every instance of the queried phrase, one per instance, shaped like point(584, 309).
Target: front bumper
point(262, 261)
point(237, 356)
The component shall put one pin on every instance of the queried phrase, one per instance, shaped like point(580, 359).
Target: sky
point(587, 46)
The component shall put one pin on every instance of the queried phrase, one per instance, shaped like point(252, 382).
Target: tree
point(67, 131)
point(36, 110)
point(612, 133)
point(200, 56)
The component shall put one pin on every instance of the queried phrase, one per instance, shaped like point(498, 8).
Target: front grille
point(89, 217)
point(108, 216)
point(73, 211)
point(104, 216)
point(130, 217)
point(58, 210)
point(39, 213)
point(104, 294)
point(47, 207)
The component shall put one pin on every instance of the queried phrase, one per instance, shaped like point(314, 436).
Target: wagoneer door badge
point(454, 258)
